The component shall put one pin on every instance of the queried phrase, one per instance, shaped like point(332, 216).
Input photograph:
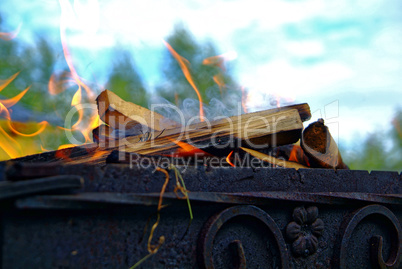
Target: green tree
point(380, 150)
point(35, 64)
point(125, 81)
point(176, 87)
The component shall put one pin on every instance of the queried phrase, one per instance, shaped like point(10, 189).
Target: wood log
point(120, 114)
point(256, 130)
point(320, 146)
point(293, 153)
point(272, 160)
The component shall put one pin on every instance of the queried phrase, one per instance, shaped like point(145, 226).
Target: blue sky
point(342, 57)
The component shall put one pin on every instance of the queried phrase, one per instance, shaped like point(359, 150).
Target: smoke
point(189, 109)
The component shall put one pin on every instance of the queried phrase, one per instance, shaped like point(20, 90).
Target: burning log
point(277, 126)
point(292, 153)
point(258, 130)
point(120, 114)
point(320, 147)
point(272, 160)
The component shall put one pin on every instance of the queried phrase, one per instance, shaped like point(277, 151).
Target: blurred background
point(342, 57)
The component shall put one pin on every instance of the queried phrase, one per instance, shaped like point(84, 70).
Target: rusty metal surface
point(102, 199)
point(243, 218)
point(376, 242)
point(10, 190)
point(246, 248)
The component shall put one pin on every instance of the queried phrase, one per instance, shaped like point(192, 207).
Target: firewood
point(256, 130)
point(120, 114)
point(272, 160)
point(293, 153)
point(320, 146)
point(102, 132)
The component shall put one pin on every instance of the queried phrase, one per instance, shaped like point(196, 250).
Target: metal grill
point(93, 216)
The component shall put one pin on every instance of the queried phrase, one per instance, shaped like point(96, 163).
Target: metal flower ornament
point(304, 231)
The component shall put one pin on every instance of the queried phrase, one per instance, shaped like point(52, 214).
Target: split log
point(120, 114)
point(256, 130)
point(293, 153)
point(272, 160)
point(320, 146)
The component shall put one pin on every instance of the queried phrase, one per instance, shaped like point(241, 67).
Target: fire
point(219, 60)
point(42, 126)
point(297, 155)
point(184, 65)
point(18, 139)
point(218, 79)
point(187, 150)
point(12, 101)
point(10, 146)
point(56, 86)
point(228, 159)
point(4, 83)
point(243, 100)
point(11, 35)
point(10, 137)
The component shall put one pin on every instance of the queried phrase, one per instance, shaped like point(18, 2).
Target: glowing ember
point(187, 150)
point(183, 63)
point(66, 146)
point(297, 155)
point(228, 159)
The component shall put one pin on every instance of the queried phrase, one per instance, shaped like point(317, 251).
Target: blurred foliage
point(176, 87)
point(379, 151)
point(125, 81)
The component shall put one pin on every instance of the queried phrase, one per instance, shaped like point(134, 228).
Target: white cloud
point(283, 78)
point(305, 48)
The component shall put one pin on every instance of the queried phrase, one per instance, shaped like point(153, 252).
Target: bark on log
point(320, 146)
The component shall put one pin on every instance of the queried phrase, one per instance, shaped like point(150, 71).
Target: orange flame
point(228, 159)
point(62, 154)
point(297, 155)
point(186, 150)
point(243, 100)
point(42, 126)
point(184, 65)
point(10, 139)
point(219, 60)
point(56, 86)
point(4, 83)
point(12, 101)
point(219, 81)
point(10, 146)
point(11, 35)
